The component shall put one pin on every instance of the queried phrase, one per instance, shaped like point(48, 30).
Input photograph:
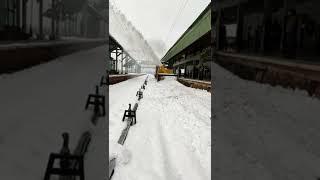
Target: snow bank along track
point(195, 83)
point(130, 117)
point(72, 165)
point(15, 57)
point(289, 74)
point(113, 79)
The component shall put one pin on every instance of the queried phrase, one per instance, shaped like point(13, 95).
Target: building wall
point(307, 31)
point(84, 24)
point(7, 17)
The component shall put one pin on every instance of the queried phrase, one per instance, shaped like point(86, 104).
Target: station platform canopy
point(200, 27)
point(114, 44)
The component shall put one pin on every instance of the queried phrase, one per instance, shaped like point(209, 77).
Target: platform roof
point(116, 44)
point(200, 27)
point(96, 13)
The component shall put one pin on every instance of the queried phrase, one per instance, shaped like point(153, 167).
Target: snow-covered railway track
point(171, 139)
point(130, 120)
point(275, 71)
point(125, 132)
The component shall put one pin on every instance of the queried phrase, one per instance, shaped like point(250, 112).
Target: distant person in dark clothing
point(291, 34)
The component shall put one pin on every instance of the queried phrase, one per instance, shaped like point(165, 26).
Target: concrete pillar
point(31, 17)
point(18, 13)
point(267, 22)
point(212, 29)
point(58, 19)
point(40, 19)
point(75, 25)
point(24, 16)
point(218, 27)
point(126, 62)
point(53, 35)
point(239, 37)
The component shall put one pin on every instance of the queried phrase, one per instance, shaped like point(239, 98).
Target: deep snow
point(171, 139)
point(39, 104)
point(263, 132)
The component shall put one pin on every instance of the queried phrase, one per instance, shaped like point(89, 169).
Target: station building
point(269, 41)
point(190, 56)
point(40, 19)
point(286, 28)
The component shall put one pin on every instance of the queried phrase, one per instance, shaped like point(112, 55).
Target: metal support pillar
point(75, 25)
point(267, 21)
point(239, 27)
point(58, 11)
point(193, 70)
point(122, 61)
point(218, 27)
point(40, 19)
point(116, 67)
point(24, 16)
point(18, 13)
point(53, 19)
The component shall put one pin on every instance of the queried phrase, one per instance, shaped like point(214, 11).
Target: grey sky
point(154, 18)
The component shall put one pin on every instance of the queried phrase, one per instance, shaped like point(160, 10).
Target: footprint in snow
point(125, 157)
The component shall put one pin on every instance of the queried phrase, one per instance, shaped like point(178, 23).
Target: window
point(7, 12)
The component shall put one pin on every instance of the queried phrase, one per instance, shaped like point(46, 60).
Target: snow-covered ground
point(45, 43)
point(39, 104)
point(263, 132)
point(172, 137)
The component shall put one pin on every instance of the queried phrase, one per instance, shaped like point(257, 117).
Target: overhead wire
point(175, 20)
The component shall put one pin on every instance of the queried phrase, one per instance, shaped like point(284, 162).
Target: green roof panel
point(200, 27)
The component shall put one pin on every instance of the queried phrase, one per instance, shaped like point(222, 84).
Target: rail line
point(129, 116)
point(289, 74)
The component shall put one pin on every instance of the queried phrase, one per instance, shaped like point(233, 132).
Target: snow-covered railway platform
point(263, 132)
point(16, 56)
point(172, 137)
point(39, 104)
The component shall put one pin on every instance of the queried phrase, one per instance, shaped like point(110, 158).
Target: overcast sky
point(154, 18)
